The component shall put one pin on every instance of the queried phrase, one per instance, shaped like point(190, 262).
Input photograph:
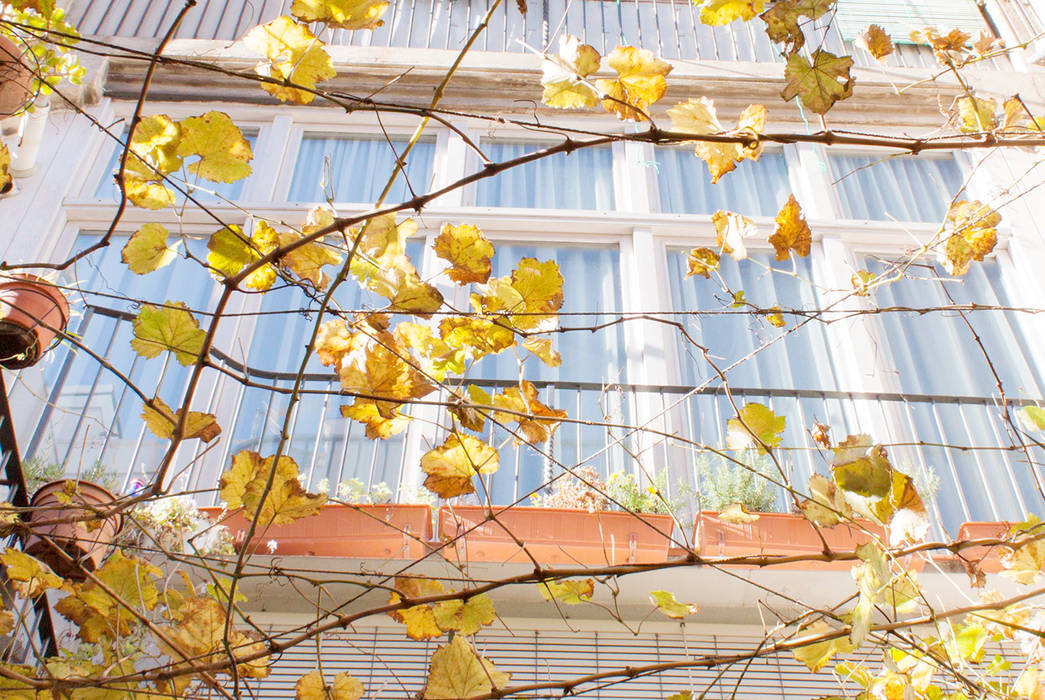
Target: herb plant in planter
point(572, 524)
point(71, 515)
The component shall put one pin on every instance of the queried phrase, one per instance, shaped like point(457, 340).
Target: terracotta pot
point(16, 80)
point(555, 535)
point(381, 531)
point(781, 534)
point(32, 311)
point(83, 537)
point(987, 558)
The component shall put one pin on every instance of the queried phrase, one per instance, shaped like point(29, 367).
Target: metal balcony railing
point(671, 28)
point(34, 636)
point(957, 445)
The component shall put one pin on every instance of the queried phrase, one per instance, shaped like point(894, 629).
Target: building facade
point(619, 220)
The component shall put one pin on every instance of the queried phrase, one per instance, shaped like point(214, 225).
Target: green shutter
point(899, 17)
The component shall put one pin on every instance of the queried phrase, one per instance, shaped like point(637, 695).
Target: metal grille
point(391, 666)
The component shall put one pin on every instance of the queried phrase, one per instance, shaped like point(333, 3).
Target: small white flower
point(272, 544)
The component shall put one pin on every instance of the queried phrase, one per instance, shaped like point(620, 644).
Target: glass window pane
point(754, 188)
point(356, 169)
point(580, 180)
point(901, 188)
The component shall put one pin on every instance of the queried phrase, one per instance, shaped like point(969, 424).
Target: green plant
point(625, 490)
point(175, 524)
point(722, 482)
point(49, 37)
point(37, 472)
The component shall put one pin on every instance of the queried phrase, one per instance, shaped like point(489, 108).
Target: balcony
point(670, 28)
point(90, 418)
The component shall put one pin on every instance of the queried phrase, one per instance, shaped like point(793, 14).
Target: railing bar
point(1007, 462)
point(59, 384)
point(979, 467)
point(319, 439)
point(116, 409)
point(90, 397)
point(373, 466)
point(344, 455)
point(228, 443)
point(966, 514)
point(141, 428)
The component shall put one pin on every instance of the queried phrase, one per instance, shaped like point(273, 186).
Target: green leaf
point(568, 592)
point(862, 468)
point(224, 153)
point(818, 84)
point(147, 249)
point(169, 328)
point(1032, 417)
point(667, 604)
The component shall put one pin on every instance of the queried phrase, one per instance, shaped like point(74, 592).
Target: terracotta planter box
point(87, 546)
point(32, 310)
point(988, 558)
point(386, 531)
point(779, 534)
point(555, 536)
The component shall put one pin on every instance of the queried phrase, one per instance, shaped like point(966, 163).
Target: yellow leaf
point(568, 592)
point(466, 617)
point(419, 619)
point(333, 341)
point(243, 486)
point(224, 153)
point(699, 117)
point(976, 114)
point(861, 281)
point(147, 249)
point(971, 226)
point(702, 261)
point(153, 148)
point(345, 14)
point(815, 656)
point(818, 84)
point(641, 81)
point(161, 421)
point(414, 295)
point(472, 418)
point(29, 577)
point(311, 687)
point(563, 75)
point(862, 468)
point(531, 295)
point(381, 369)
point(736, 514)
point(5, 165)
point(719, 12)
point(538, 421)
point(475, 336)
point(792, 232)
point(947, 47)
point(231, 251)
point(876, 42)
point(783, 20)
point(378, 427)
point(171, 328)
point(542, 348)
point(452, 465)
point(293, 54)
point(458, 672)
point(730, 231)
point(148, 195)
point(826, 505)
point(667, 604)
point(8, 620)
point(755, 421)
point(468, 252)
point(307, 261)
point(775, 319)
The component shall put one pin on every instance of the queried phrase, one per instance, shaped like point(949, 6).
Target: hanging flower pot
point(32, 312)
point(16, 80)
point(66, 513)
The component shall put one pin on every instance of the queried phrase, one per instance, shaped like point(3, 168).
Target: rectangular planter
point(382, 531)
point(555, 536)
point(780, 534)
point(987, 558)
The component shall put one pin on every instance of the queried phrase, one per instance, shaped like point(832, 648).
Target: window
point(755, 187)
point(203, 189)
point(356, 169)
point(579, 180)
point(900, 188)
point(935, 353)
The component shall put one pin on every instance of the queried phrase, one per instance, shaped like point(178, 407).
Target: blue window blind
point(592, 292)
point(580, 180)
point(935, 353)
point(203, 189)
point(356, 169)
point(754, 188)
point(901, 188)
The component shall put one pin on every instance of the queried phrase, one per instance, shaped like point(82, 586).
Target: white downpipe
point(30, 134)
